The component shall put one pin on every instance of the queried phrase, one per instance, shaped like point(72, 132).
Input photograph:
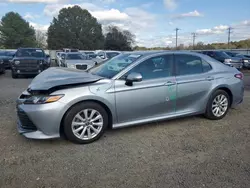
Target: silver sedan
point(76, 60)
point(132, 88)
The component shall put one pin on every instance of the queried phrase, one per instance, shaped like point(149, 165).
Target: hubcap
point(220, 105)
point(87, 124)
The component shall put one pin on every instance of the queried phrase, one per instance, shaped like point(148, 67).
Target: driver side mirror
point(47, 56)
point(133, 77)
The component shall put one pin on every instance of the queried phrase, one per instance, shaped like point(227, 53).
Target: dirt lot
point(188, 152)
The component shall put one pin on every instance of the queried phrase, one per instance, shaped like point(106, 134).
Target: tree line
point(73, 28)
point(242, 44)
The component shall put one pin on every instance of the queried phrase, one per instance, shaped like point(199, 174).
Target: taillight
point(239, 75)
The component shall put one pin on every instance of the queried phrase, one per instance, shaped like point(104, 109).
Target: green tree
point(75, 28)
point(117, 39)
point(15, 32)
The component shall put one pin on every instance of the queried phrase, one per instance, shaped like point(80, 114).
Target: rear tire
point(79, 123)
point(218, 105)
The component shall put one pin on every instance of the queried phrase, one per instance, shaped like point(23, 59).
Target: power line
point(194, 36)
point(229, 35)
point(176, 36)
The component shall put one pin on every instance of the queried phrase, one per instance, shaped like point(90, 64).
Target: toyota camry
point(129, 89)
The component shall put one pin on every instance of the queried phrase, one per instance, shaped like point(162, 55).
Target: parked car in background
point(48, 59)
point(89, 54)
point(131, 88)
point(29, 61)
point(245, 59)
point(59, 57)
point(104, 55)
point(225, 58)
point(77, 61)
point(66, 50)
point(2, 67)
point(108, 54)
point(7, 56)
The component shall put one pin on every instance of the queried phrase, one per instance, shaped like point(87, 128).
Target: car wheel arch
point(226, 89)
point(110, 114)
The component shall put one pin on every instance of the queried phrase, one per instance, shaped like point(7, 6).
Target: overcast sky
point(152, 21)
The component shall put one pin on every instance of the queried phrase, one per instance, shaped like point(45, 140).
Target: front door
point(153, 96)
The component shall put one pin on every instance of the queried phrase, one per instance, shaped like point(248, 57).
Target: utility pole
point(194, 36)
point(229, 35)
point(176, 35)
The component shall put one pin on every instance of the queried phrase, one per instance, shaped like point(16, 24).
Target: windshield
point(74, 57)
point(223, 55)
point(232, 54)
point(113, 66)
point(30, 53)
point(88, 53)
point(92, 55)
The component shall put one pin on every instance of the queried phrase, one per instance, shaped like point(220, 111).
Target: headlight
point(227, 60)
point(245, 61)
point(1, 61)
point(42, 99)
point(41, 62)
point(17, 62)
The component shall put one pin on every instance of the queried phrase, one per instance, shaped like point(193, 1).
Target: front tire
point(218, 105)
point(85, 122)
point(14, 75)
point(2, 71)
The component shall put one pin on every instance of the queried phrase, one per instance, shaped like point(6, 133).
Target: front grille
point(29, 63)
point(25, 121)
point(82, 67)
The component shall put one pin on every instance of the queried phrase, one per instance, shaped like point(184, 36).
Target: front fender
point(73, 96)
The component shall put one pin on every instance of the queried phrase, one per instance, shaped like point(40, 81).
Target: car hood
point(57, 76)
point(6, 57)
point(79, 61)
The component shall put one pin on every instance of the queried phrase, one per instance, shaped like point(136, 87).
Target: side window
point(155, 67)
point(188, 64)
point(206, 66)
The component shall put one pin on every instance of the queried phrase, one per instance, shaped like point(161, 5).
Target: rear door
point(194, 80)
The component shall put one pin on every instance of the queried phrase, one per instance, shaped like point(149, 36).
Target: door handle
point(209, 78)
point(168, 83)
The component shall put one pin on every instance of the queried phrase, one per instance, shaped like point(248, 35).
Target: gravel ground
point(188, 152)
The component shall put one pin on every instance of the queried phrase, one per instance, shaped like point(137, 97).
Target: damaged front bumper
point(40, 121)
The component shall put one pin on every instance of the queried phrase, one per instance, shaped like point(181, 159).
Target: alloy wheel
point(219, 105)
point(87, 124)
